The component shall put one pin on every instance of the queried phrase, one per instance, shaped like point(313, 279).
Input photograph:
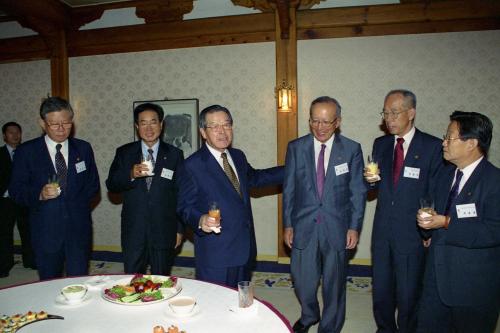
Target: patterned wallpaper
point(240, 77)
point(22, 87)
point(446, 71)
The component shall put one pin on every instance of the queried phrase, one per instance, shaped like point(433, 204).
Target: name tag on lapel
point(341, 169)
point(80, 167)
point(411, 172)
point(466, 210)
point(167, 173)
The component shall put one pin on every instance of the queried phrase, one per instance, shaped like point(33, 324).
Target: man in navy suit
point(56, 177)
point(225, 248)
point(408, 161)
point(12, 213)
point(323, 205)
point(151, 229)
point(462, 275)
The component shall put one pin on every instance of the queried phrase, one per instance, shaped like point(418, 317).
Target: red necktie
point(399, 158)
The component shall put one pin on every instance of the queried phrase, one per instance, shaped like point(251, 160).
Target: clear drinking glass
point(146, 160)
point(245, 294)
point(426, 206)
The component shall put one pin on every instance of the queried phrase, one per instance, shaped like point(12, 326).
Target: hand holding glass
point(372, 169)
point(214, 212)
point(53, 181)
point(149, 164)
point(426, 207)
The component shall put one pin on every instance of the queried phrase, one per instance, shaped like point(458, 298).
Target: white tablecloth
point(98, 315)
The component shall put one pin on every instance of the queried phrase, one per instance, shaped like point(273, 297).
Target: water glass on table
point(245, 294)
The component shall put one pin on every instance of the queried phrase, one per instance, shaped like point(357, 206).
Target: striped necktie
point(228, 170)
point(61, 168)
point(151, 158)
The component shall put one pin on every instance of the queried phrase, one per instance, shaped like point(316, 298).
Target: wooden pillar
point(59, 69)
point(286, 69)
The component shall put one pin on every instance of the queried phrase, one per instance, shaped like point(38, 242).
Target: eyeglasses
point(216, 127)
point(391, 114)
point(55, 126)
point(323, 123)
point(448, 139)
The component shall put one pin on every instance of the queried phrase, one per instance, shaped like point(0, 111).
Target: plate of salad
point(142, 290)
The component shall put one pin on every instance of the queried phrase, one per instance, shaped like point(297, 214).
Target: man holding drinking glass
point(461, 290)
point(408, 161)
point(56, 177)
point(219, 177)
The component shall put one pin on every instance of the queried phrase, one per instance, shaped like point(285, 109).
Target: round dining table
point(216, 309)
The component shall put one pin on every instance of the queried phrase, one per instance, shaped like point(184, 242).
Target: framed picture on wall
point(180, 123)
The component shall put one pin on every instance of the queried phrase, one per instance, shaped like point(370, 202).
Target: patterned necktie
point(399, 158)
point(454, 191)
point(151, 158)
point(320, 171)
point(228, 170)
point(61, 168)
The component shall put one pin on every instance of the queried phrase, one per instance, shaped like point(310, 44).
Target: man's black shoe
point(299, 328)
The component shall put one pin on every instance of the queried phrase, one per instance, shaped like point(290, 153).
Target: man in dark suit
point(323, 205)
point(56, 177)
point(11, 212)
point(150, 229)
point(462, 275)
point(408, 161)
point(224, 253)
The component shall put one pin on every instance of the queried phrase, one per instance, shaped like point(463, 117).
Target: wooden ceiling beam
point(413, 18)
point(42, 16)
point(202, 32)
point(398, 14)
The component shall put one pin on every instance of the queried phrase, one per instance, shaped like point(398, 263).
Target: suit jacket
point(343, 202)
point(466, 257)
point(395, 215)
point(5, 169)
point(203, 181)
point(147, 215)
point(63, 219)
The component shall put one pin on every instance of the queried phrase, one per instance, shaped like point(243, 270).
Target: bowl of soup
point(74, 292)
point(182, 305)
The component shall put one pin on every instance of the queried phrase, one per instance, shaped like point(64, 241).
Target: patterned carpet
point(260, 279)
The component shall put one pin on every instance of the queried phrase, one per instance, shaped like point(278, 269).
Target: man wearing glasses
point(218, 175)
point(461, 290)
point(56, 177)
point(408, 161)
point(323, 205)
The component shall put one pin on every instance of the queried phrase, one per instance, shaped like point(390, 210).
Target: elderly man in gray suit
point(323, 205)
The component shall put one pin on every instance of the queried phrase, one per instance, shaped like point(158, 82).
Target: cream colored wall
point(447, 72)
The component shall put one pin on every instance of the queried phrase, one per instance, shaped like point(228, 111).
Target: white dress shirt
point(328, 151)
point(218, 158)
point(51, 146)
point(408, 137)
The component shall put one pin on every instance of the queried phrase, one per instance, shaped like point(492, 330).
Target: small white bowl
point(74, 292)
point(182, 305)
